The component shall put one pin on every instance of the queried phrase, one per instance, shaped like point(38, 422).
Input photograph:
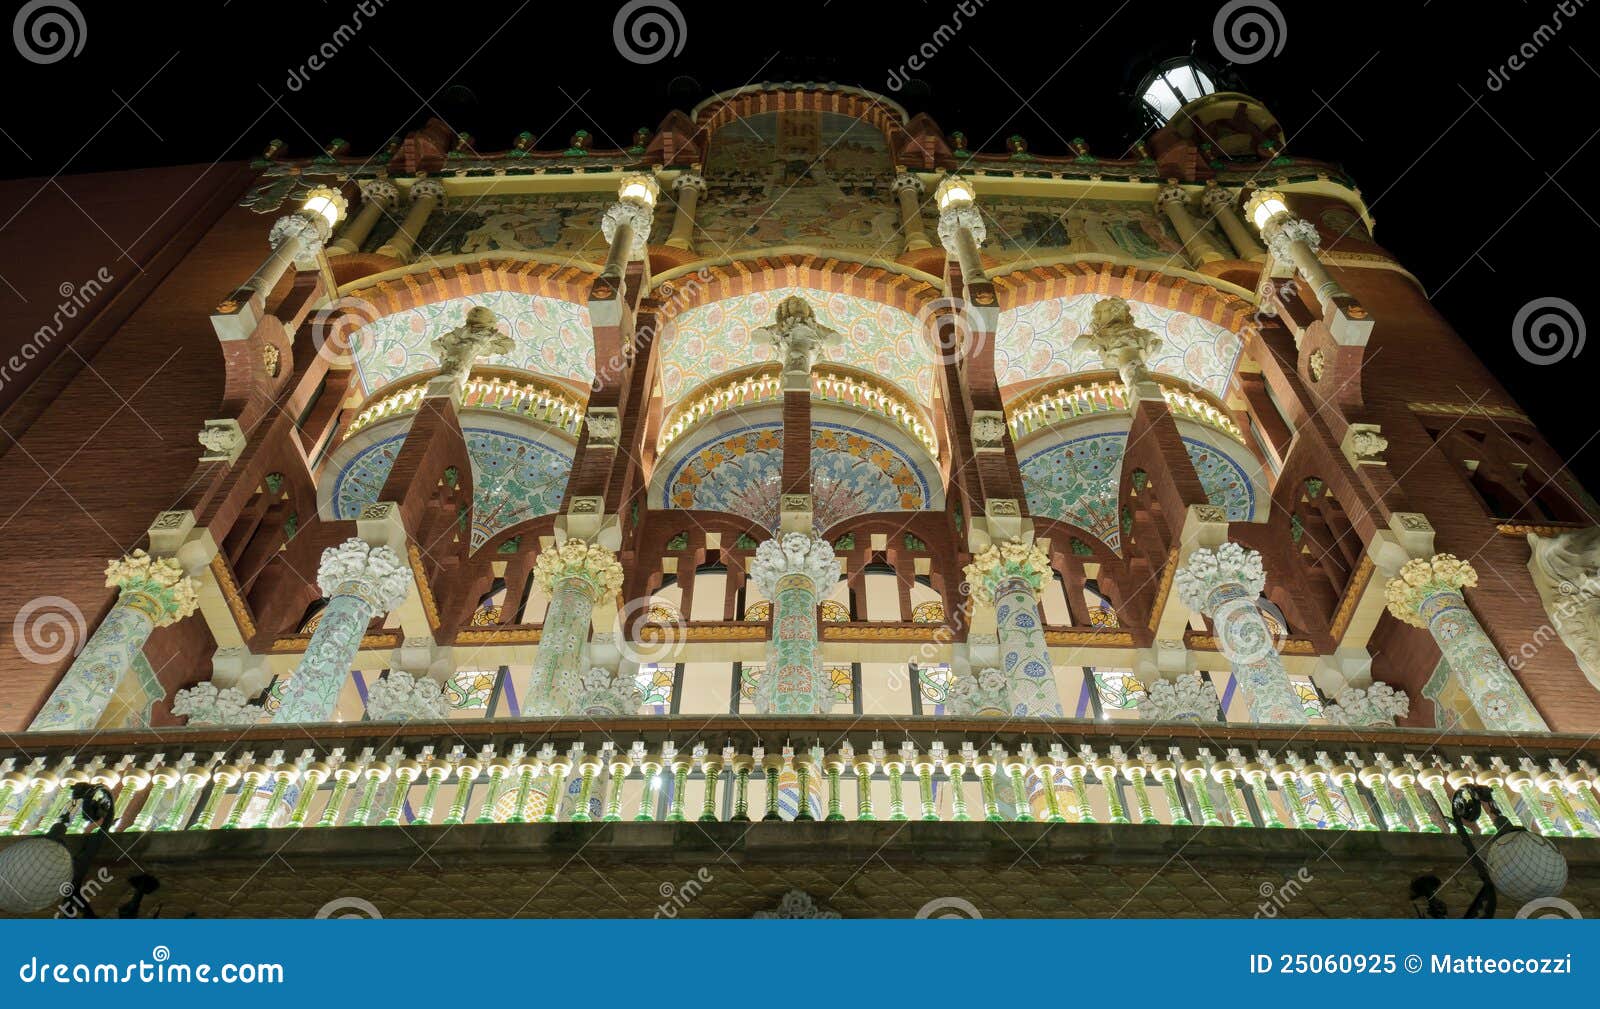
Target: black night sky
point(1484, 192)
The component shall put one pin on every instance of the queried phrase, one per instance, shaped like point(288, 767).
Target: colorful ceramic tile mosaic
point(1076, 481)
point(704, 342)
point(1035, 341)
point(553, 338)
point(513, 479)
point(852, 473)
point(798, 177)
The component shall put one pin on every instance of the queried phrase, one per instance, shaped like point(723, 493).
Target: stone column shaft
point(377, 196)
point(576, 575)
point(1196, 243)
point(794, 572)
point(361, 581)
point(689, 186)
point(154, 592)
point(426, 194)
point(1009, 576)
point(1427, 593)
point(1224, 584)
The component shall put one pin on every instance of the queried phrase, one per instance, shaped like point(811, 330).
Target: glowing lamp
point(954, 193)
point(639, 188)
point(325, 203)
point(1264, 205)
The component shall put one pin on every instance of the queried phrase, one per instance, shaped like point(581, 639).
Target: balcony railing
point(514, 393)
point(920, 768)
point(829, 383)
point(1072, 398)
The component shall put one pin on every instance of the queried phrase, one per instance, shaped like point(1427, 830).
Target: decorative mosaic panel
point(1076, 481)
point(553, 337)
point(566, 223)
point(513, 479)
point(704, 342)
point(1023, 226)
point(841, 682)
point(1035, 341)
point(852, 473)
point(798, 178)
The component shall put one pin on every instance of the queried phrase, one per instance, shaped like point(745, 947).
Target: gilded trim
point(499, 636)
point(1165, 588)
point(230, 592)
point(423, 588)
point(1352, 597)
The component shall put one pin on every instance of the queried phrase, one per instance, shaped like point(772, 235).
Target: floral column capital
point(589, 564)
point(599, 694)
point(1004, 561)
point(809, 557)
point(1208, 570)
point(1422, 577)
point(374, 574)
point(157, 587)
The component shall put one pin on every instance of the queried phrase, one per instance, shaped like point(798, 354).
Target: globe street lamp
point(38, 871)
point(1516, 862)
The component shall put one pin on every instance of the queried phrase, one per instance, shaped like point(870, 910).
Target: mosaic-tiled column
point(1224, 584)
point(1009, 575)
point(793, 572)
point(1427, 593)
point(154, 592)
point(575, 575)
point(361, 581)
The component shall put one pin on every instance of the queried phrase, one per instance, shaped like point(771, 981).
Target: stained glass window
point(1309, 698)
point(935, 684)
point(1103, 616)
point(486, 615)
point(470, 688)
point(749, 678)
point(758, 611)
point(842, 679)
point(834, 612)
point(1117, 689)
point(655, 684)
point(931, 612)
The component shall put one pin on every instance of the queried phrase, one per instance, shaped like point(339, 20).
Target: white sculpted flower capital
point(810, 557)
point(1003, 561)
point(357, 568)
point(205, 704)
point(1422, 577)
point(589, 563)
point(401, 697)
point(1210, 569)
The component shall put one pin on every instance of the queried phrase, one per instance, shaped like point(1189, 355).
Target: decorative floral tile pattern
point(1076, 481)
point(553, 337)
point(1035, 341)
point(852, 473)
point(513, 479)
point(706, 341)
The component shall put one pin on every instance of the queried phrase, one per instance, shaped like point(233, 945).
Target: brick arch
point(428, 285)
point(1065, 280)
point(758, 273)
point(873, 109)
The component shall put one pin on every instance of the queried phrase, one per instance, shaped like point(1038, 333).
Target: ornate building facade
point(823, 496)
